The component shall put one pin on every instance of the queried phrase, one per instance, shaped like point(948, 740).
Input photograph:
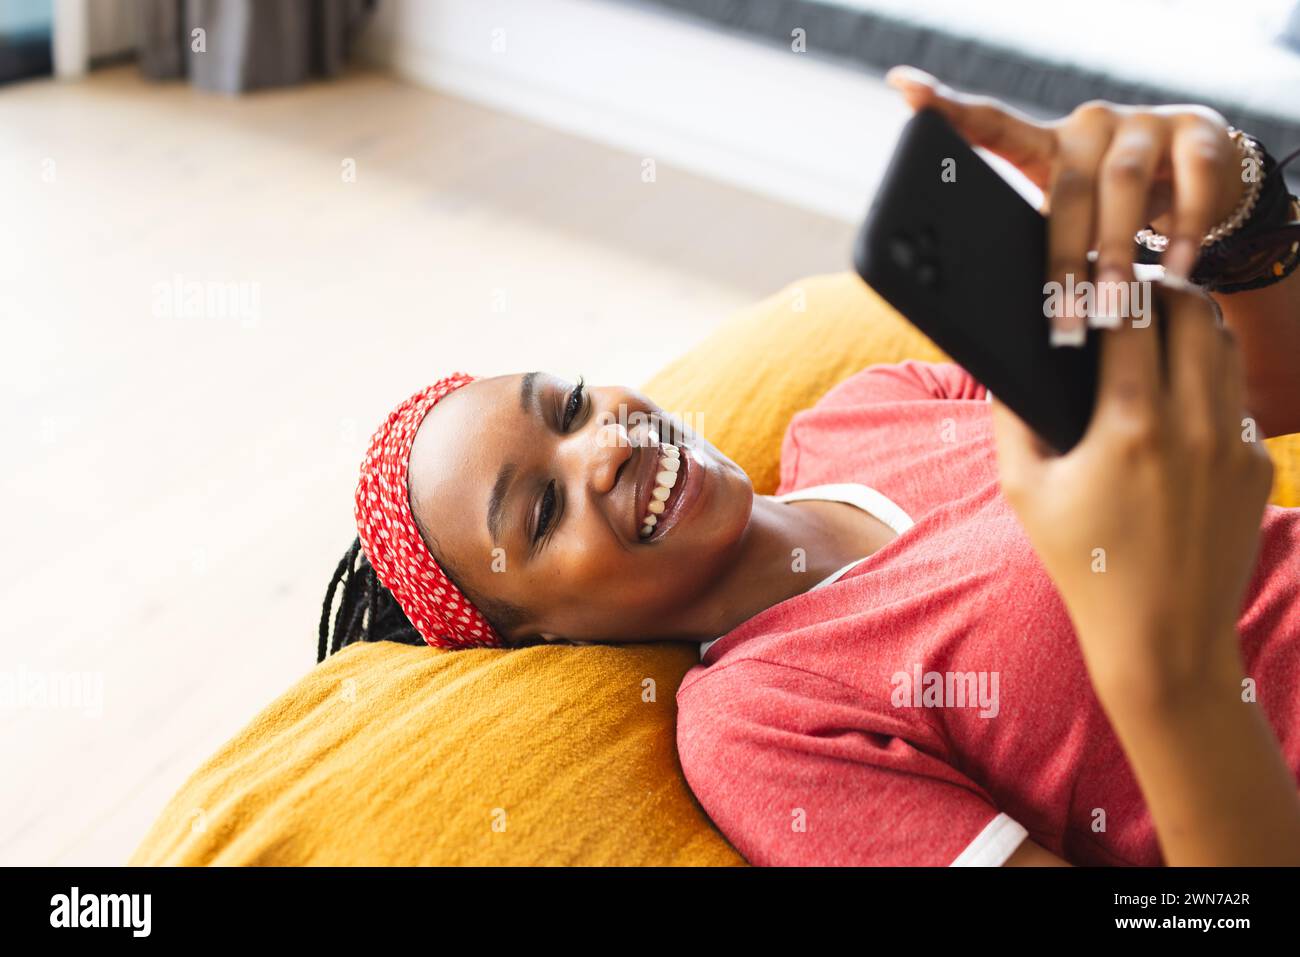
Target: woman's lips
point(660, 467)
point(685, 480)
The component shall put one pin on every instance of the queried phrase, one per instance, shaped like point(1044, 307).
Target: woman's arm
point(1164, 483)
point(1029, 854)
point(1210, 769)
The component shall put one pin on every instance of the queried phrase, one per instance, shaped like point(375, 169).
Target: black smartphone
point(952, 246)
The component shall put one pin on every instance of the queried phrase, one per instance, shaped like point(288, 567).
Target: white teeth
point(670, 465)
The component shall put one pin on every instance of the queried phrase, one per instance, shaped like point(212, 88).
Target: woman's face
point(535, 492)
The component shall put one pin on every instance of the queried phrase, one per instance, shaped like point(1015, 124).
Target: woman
point(1111, 665)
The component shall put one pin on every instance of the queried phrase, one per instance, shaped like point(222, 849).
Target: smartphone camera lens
point(902, 252)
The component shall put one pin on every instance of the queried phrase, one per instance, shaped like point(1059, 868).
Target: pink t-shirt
point(931, 706)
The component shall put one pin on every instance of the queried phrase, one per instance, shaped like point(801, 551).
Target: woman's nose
point(610, 448)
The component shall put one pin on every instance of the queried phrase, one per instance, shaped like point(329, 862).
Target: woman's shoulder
point(909, 380)
point(861, 429)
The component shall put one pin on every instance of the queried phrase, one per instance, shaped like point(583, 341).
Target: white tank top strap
point(865, 497)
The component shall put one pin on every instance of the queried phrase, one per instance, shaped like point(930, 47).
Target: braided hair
point(367, 611)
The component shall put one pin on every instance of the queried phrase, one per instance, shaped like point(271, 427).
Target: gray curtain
point(1291, 33)
point(248, 44)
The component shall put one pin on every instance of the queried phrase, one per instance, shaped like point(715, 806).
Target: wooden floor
point(177, 490)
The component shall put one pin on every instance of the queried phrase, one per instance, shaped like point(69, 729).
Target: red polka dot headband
point(440, 612)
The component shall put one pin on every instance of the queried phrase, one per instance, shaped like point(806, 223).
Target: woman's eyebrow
point(496, 501)
point(530, 402)
point(528, 390)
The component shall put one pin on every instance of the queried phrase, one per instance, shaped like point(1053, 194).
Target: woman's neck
point(786, 550)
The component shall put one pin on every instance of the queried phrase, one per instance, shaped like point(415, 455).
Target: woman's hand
point(1107, 171)
point(1149, 526)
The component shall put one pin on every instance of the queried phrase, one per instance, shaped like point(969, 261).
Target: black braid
point(367, 610)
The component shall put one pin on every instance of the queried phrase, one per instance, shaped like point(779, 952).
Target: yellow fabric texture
point(393, 754)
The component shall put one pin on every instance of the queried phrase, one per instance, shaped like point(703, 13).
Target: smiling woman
point(566, 494)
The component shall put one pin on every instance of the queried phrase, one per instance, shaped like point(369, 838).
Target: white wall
point(778, 122)
point(86, 30)
point(71, 38)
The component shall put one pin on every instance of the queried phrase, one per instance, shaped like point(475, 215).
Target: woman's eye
point(547, 512)
point(573, 406)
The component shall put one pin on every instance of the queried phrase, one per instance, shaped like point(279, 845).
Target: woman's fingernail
point(1112, 296)
point(1073, 336)
point(1180, 283)
point(909, 74)
point(1180, 258)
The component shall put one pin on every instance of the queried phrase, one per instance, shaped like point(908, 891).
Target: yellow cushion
point(395, 754)
point(392, 754)
point(1285, 450)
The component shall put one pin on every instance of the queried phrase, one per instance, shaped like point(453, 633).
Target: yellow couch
point(392, 754)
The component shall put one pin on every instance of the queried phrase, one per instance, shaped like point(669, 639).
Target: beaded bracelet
point(1252, 158)
point(1256, 246)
